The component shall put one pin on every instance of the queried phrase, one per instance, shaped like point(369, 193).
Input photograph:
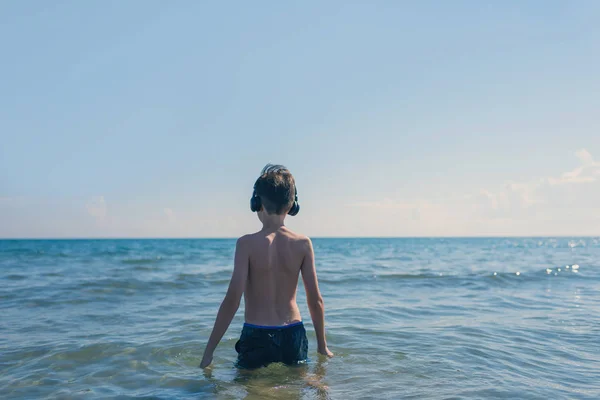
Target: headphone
point(256, 204)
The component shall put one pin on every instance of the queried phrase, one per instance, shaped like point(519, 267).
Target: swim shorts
point(261, 345)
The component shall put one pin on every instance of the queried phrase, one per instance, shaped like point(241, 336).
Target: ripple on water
point(420, 318)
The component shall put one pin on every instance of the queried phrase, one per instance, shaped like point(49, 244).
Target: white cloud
point(96, 207)
point(587, 172)
point(585, 157)
point(170, 214)
point(571, 196)
point(578, 175)
point(551, 192)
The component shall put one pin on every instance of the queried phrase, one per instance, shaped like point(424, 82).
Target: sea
point(407, 318)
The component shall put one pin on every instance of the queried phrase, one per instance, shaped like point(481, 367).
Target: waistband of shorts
point(247, 325)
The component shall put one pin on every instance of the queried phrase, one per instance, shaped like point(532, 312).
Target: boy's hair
point(276, 188)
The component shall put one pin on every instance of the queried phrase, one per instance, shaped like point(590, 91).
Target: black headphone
point(255, 203)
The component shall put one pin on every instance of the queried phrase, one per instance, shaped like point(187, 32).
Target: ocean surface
point(515, 318)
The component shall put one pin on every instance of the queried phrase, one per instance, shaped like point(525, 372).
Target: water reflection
point(277, 381)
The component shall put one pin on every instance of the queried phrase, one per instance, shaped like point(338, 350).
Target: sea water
point(426, 318)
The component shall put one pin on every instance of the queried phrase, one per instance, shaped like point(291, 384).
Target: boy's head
point(276, 189)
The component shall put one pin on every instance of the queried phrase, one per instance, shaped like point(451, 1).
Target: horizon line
point(312, 237)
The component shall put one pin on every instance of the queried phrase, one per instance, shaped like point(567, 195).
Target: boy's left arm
point(231, 303)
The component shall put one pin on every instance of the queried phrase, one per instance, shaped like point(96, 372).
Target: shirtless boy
point(266, 269)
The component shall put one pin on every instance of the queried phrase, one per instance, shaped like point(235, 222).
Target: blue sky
point(153, 118)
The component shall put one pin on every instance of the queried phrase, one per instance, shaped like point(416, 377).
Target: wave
point(128, 286)
point(517, 276)
point(136, 261)
point(15, 277)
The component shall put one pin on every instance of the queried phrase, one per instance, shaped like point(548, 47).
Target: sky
point(428, 118)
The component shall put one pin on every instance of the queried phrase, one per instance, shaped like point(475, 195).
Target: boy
point(266, 269)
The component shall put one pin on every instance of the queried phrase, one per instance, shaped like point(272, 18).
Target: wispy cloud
point(96, 207)
point(170, 214)
point(588, 171)
point(514, 200)
point(546, 192)
point(586, 158)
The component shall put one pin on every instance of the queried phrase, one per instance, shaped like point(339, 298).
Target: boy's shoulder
point(259, 237)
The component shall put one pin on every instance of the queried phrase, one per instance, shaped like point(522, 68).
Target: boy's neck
point(273, 221)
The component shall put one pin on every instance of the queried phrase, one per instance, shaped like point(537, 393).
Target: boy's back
point(275, 260)
point(266, 269)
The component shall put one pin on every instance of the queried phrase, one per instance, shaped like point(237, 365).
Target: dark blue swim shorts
point(261, 345)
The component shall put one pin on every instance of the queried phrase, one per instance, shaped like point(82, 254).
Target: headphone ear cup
point(295, 206)
point(295, 209)
point(255, 203)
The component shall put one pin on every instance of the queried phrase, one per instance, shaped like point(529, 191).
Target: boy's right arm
point(313, 298)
